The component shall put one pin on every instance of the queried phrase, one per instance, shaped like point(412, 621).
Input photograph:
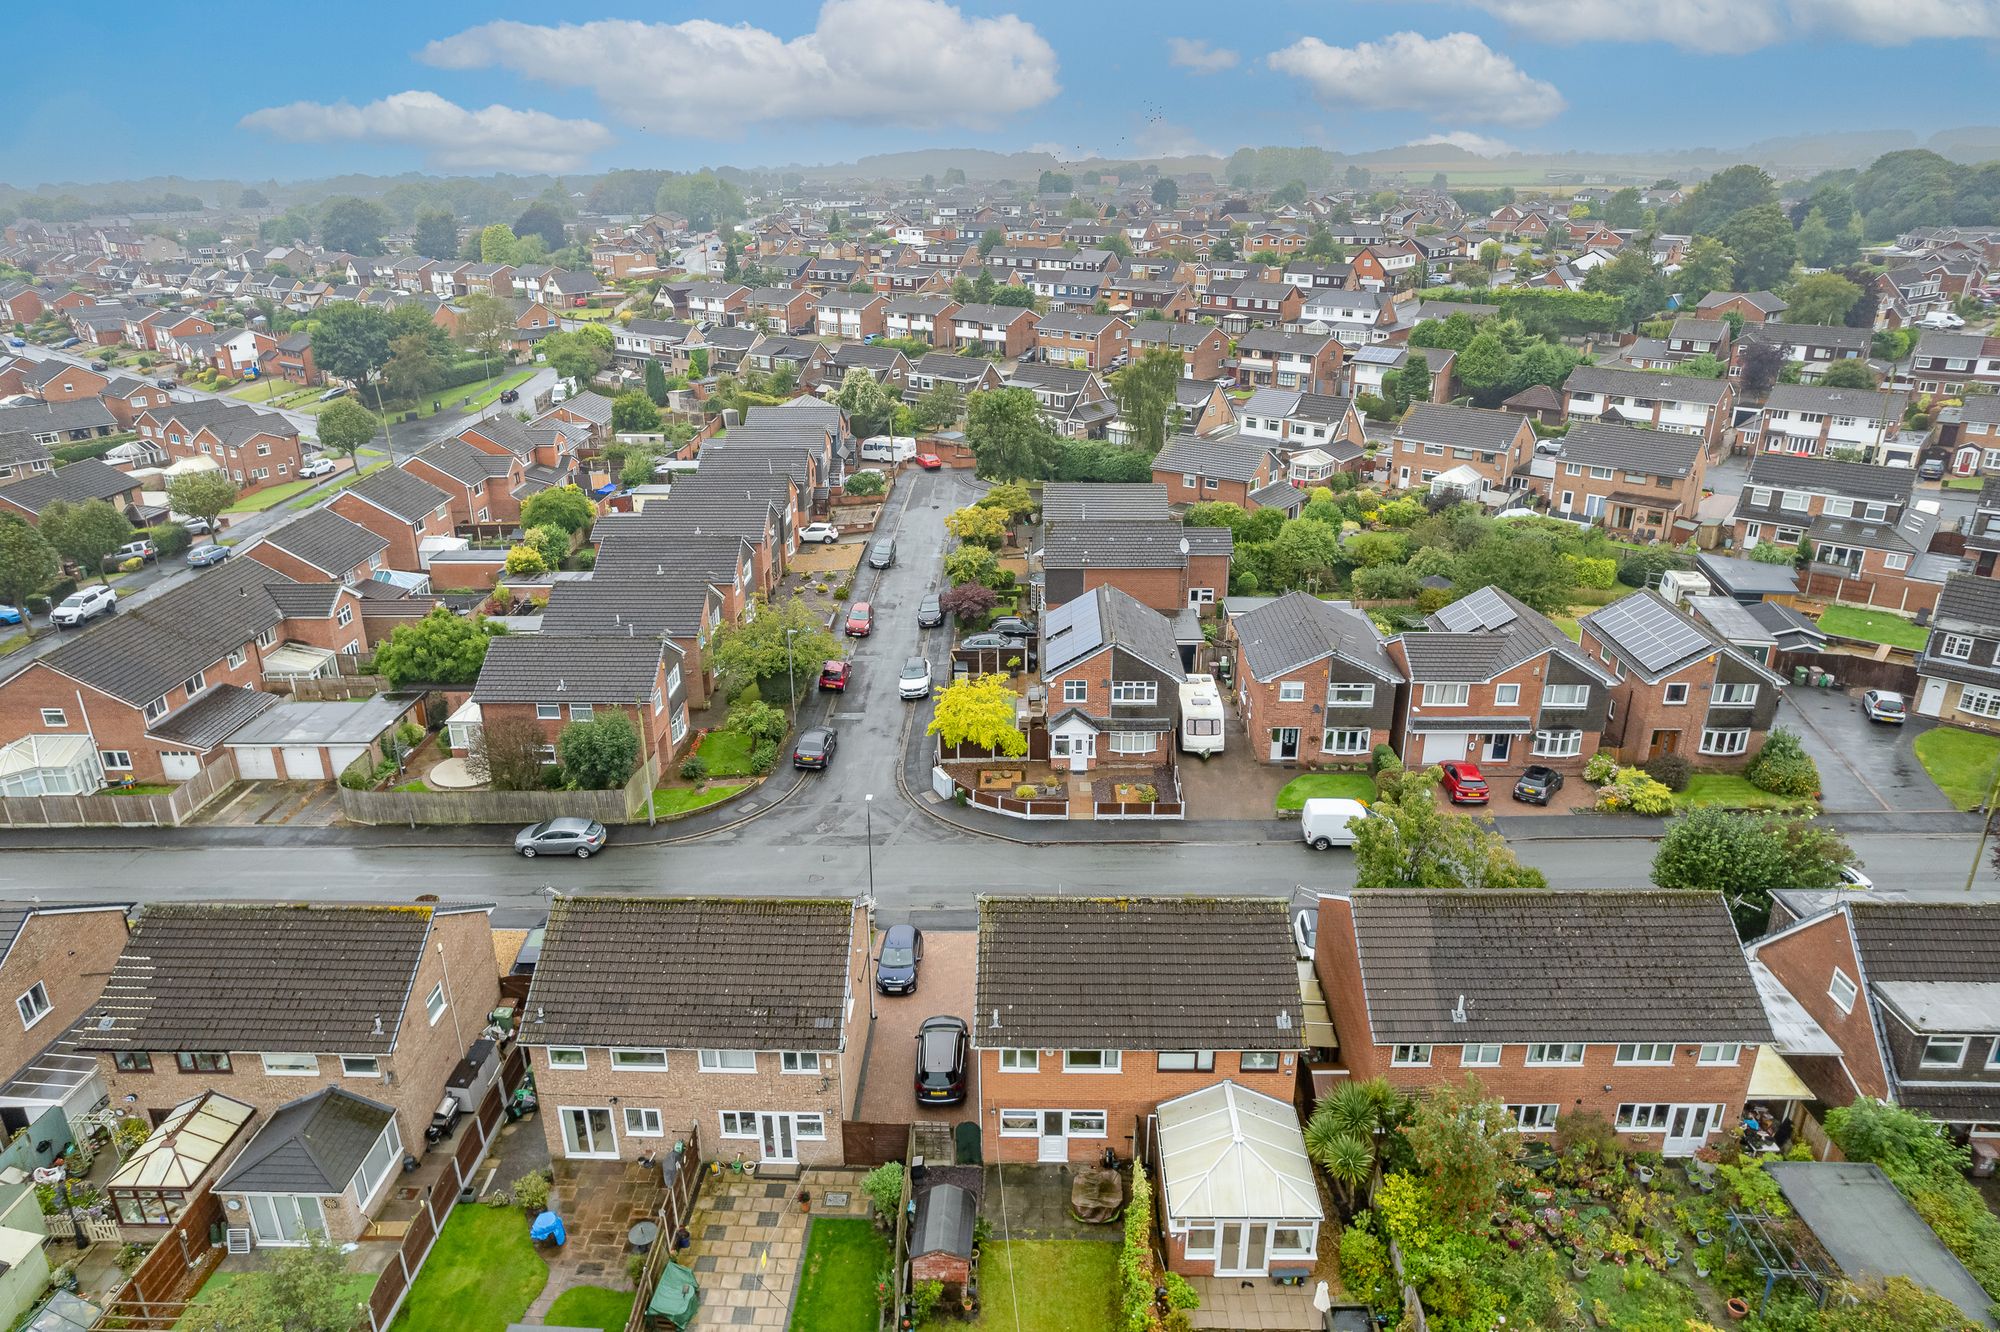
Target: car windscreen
point(898, 957)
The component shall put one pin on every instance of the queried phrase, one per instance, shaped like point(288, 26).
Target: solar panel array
point(1651, 632)
point(1484, 609)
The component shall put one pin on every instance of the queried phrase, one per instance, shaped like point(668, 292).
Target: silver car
point(582, 838)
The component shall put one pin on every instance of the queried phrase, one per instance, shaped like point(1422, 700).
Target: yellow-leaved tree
point(979, 711)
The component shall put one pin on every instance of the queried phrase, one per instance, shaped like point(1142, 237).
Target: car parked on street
point(67, 343)
point(824, 533)
point(317, 467)
point(896, 965)
point(1884, 705)
point(84, 605)
point(1537, 784)
point(930, 612)
point(915, 681)
point(567, 836)
point(942, 1043)
point(882, 553)
point(833, 675)
point(814, 749)
point(332, 393)
point(202, 557)
point(1464, 784)
point(508, 397)
point(860, 620)
point(930, 462)
point(10, 614)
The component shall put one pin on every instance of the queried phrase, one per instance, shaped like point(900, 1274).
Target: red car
point(1464, 785)
point(833, 675)
point(930, 462)
point(860, 620)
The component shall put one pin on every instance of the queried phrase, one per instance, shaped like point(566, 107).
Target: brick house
point(1006, 329)
point(1806, 420)
point(551, 679)
point(1201, 471)
point(127, 398)
point(1111, 670)
point(484, 488)
point(1089, 341)
point(1495, 683)
point(926, 317)
point(967, 374)
point(1091, 1012)
point(1130, 295)
point(374, 1003)
point(1201, 346)
point(74, 483)
point(1366, 368)
point(1200, 408)
point(1690, 336)
point(1317, 686)
point(717, 302)
point(1277, 358)
point(1813, 347)
point(1294, 421)
point(1636, 1006)
point(751, 1028)
point(1635, 482)
point(1681, 689)
point(784, 309)
point(1784, 497)
point(1872, 980)
point(851, 315)
point(1162, 564)
point(400, 507)
point(1676, 404)
point(1238, 306)
point(1073, 402)
point(54, 961)
point(1950, 363)
point(1430, 440)
point(157, 688)
point(321, 545)
point(1753, 307)
point(1958, 671)
point(887, 366)
point(252, 448)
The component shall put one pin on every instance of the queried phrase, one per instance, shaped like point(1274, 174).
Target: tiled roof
point(1630, 448)
point(1820, 335)
point(328, 542)
point(1104, 501)
point(1853, 480)
point(1128, 545)
point(1480, 635)
point(1071, 973)
point(1225, 459)
point(312, 1145)
point(1766, 301)
point(460, 461)
point(569, 667)
point(1284, 634)
point(403, 494)
point(212, 716)
point(1461, 427)
point(693, 973)
point(1927, 941)
point(1970, 601)
point(206, 976)
point(1868, 404)
point(1596, 965)
point(73, 483)
point(1645, 384)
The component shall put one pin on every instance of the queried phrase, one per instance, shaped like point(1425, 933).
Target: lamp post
point(791, 681)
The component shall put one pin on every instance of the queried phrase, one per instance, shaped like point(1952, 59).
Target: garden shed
point(1238, 1193)
point(941, 1239)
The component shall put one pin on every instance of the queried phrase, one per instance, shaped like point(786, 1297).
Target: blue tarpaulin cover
point(548, 1226)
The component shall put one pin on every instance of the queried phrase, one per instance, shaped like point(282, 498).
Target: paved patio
point(599, 1202)
point(749, 1239)
point(1253, 1303)
point(1031, 1202)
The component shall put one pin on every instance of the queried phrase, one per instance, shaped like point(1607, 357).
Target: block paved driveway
point(944, 985)
point(1864, 766)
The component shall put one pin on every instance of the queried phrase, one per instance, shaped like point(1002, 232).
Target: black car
point(510, 396)
point(1013, 626)
point(930, 614)
point(941, 1052)
point(896, 965)
point(882, 552)
point(815, 748)
point(1537, 785)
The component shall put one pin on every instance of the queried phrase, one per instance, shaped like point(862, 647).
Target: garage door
point(303, 763)
point(1442, 745)
point(254, 765)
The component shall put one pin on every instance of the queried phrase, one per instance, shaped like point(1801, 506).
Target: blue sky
point(292, 91)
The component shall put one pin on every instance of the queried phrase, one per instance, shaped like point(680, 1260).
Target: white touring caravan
point(1201, 716)
point(889, 448)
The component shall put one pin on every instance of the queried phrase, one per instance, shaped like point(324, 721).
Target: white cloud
point(1453, 77)
point(1197, 56)
point(919, 63)
point(1713, 26)
point(1163, 138)
point(452, 137)
point(1896, 22)
point(1481, 145)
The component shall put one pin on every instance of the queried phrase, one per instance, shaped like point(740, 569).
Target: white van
point(1201, 716)
point(889, 448)
point(1330, 822)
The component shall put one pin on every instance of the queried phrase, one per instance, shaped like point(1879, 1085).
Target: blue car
point(67, 343)
point(9, 615)
point(201, 557)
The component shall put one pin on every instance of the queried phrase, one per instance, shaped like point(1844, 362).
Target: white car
point(1851, 877)
point(317, 467)
point(825, 533)
point(915, 680)
point(83, 605)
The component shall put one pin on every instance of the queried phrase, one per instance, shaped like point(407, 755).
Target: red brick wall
point(1804, 960)
point(71, 955)
point(1178, 492)
point(1162, 589)
point(403, 538)
point(1126, 1096)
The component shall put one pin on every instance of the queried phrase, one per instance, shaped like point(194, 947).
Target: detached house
point(1640, 483)
point(750, 1029)
point(338, 1026)
point(484, 487)
point(1072, 401)
point(1008, 330)
point(1090, 1013)
point(851, 315)
point(1276, 358)
point(1958, 672)
point(924, 317)
point(321, 545)
point(1162, 564)
point(1432, 440)
point(1112, 671)
point(1317, 685)
point(1494, 683)
point(1680, 687)
point(1088, 341)
point(1201, 347)
point(1635, 1006)
point(1201, 471)
point(412, 516)
point(553, 678)
point(1949, 363)
point(1869, 536)
point(1813, 346)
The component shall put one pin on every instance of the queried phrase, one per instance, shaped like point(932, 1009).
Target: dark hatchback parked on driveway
point(941, 1053)
point(896, 965)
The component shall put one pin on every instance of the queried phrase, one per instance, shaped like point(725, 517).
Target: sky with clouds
point(379, 87)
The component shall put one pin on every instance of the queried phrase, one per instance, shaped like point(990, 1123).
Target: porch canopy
point(1227, 1152)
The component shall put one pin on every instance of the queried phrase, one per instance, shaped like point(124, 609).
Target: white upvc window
point(434, 1004)
point(1737, 693)
point(360, 1066)
point(1555, 1055)
point(1090, 1061)
point(1506, 695)
point(1020, 1123)
point(1957, 646)
point(1346, 740)
point(1257, 1061)
point(809, 1126)
point(1291, 691)
point(567, 1056)
point(54, 717)
point(1633, 1118)
point(33, 1005)
point(643, 1121)
point(1350, 695)
point(1446, 695)
point(798, 1061)
point(1076, 691)
point(1719, 1053)
point(116, 760)
point(1979, 702)
point(1656, 1053)
point(1479, 1056)
point(548, 712)
point(653, 1061)
point(739, 1123)
point(1086, 1123)
point(1020, 1061)
point(1534, 1118)
point(1186, 1061)
point(1410, 1056)
point(582, 711)
point(1725, 741)
point(291, 1065)
point(1944, 1052)
point(1558, 744)
point(728, 1061)
point(1135, 691)
point(1841, 990)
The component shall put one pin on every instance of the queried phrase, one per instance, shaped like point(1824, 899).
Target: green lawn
point(1321, 785)
point(269, 497)
point(1568, 624)
point(1048, 1286)
point(671, 800)
point(1872, 626)
point(14, 644)
point(139, 789)
point(482, 1274)
point(591, 1306)
point(1960, 762)
point(1729, 790)
point(357, 1287)
point(727, 753)
point(1964, 483)
point(837, 1288)
point(491, 394)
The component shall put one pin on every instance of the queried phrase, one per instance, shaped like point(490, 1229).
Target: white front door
point(780, 1148)
point(285, 1218)
point(1931, 701)
point(1054, 1143)
point(587, 1132)
point(1687, 1129)
point(1245, 1249)
point(1082, 748)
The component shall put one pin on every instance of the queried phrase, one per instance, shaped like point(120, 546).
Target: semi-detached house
point(1675, 404)
point(1806, 420)
point(1958, 672)
point(1638, 483)
point(1432, 439)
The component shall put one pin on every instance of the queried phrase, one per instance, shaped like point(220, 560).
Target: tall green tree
point(656, 383)
point(705, 199)
point(1815, 240)
point(1711, 204)
point(542, 219)
point(1145, 393)
point(354, 225)
point(1165, 192)
point(581, 354)
point(85, 533)
point(351, 341)
point(599, 754)
point(1465, 1142)
point(441, 648)
point(940, 407)
point(1482, 366)
point(201, 495)
point(754, 652)
point(566, 507)
point(1008, 437)
point(1764, 244)
point(1526, 564)
point(1624, 210)
point(486, 324)
point(1855, 373)
point(413, 368)
point(437, 235)
point(869, 408)
point(345, 426)
point(1745, 856)
point(634, 412)
point(28, 563)
point(1820, 298)
point(1408, 841)
point(498, 244)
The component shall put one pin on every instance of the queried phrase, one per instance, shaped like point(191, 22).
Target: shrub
point(764, 757)
point(693, 768)
point(170, 538)
point(1670, 770)
point(1025, 791)
point(532, 1191)
point(758, 720)
point(864, 483)
point(1600, 768)
point(1783, 767)
point(842, 589)
point(1631, 788)
point(358, 775)
point(1382, 756)
point(884, 1187)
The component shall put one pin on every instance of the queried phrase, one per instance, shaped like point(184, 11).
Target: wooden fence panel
point(871, 1144)
point(153, 1296)
point(388, 1293)
point(1850, 672)
point(675, 1210)
point(135, 811)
